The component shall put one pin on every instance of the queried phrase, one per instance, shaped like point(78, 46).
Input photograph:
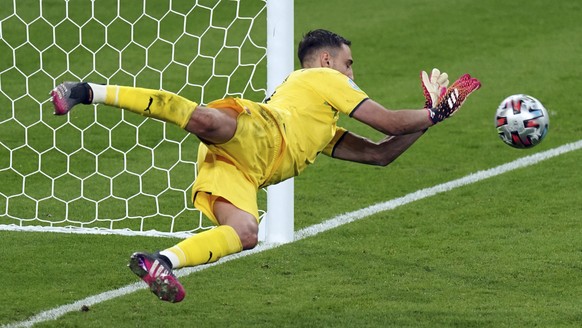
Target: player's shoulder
point(318, 72)
point(318, 76)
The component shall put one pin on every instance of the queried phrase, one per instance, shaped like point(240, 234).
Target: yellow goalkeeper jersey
point(275, 140)
point(307, 107)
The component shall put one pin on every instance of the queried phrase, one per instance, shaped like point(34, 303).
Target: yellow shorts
point(235, 170)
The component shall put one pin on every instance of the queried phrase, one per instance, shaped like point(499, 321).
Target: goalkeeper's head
point(323, 48)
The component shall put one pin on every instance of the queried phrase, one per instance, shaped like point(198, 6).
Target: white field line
point(332, 223)
point(95, 231)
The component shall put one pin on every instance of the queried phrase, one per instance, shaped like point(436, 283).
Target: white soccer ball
point(522, 121)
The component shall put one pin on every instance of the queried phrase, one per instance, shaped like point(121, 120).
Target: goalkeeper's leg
point(238, 230)
point(209, 124)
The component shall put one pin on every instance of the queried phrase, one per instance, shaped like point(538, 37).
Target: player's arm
point(355, 148)
point(441, 104)
point(392, 122)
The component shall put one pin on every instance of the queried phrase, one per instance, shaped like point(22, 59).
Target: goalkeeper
point(247, 145)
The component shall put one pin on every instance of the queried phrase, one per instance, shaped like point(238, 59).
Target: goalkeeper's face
point(341, 60)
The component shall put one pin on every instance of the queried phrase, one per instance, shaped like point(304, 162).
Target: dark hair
point(317, 39)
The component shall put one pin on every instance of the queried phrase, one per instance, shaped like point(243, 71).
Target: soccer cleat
point(68, 94)
point(158, 275)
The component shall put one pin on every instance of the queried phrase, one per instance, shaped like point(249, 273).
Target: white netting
point(100, 167)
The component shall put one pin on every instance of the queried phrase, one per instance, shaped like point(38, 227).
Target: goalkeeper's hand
point(453, 98)
point(434, 86)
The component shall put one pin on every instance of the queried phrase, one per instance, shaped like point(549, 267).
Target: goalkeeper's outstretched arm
point(355, 148)
point(392, 122)
point(400, 122)
point(402, 127)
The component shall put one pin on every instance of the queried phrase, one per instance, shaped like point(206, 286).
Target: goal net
point(100, 168)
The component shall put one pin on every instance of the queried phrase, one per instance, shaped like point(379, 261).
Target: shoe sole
point(166, 288)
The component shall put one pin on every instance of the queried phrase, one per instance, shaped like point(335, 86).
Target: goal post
point(102, 170)
point(279, 223)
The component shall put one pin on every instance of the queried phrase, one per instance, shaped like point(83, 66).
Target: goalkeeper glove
point(434, 86)
point(453, 98)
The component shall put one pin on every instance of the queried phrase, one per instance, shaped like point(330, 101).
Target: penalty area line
point(313, 230)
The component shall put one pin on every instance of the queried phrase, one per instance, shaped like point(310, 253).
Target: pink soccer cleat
point(158, 275)
point(68, 94)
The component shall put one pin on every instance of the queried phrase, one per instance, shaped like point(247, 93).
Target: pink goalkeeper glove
point(434, 86)
point(453, 98)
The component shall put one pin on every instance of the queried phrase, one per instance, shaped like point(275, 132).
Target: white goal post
point(105, 171)
point(279, 224)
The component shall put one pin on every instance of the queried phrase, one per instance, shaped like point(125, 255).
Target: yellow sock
point(162, 105)
point(207, 246)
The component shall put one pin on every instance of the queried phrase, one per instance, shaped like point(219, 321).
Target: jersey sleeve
point(339, 91)
point(339, 134)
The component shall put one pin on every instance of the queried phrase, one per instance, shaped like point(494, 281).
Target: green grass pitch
point(503, 252)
